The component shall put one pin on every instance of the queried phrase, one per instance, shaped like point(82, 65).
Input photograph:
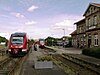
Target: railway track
point(89, 65)
point(10, 65)
point(73, 65)
point(4, 62)
point(3, 51)
point(74, 68)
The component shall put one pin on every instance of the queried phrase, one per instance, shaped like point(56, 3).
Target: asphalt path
point(28, 66)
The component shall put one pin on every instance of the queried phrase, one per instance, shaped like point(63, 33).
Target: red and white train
point(18, 44)
point(41, 43)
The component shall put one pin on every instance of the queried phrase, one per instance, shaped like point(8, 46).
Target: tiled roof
point(94, 4)
point(74, 32)
point(83, 20)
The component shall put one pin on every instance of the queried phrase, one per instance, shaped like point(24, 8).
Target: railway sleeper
point(83, 64)
point(82, 60)
point(70, 69)
point(66, 68)
point(4, 72)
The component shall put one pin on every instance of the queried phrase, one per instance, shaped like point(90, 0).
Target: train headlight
point(24, 49)
point(21, 46)
point(11, 46)
point(9, 50)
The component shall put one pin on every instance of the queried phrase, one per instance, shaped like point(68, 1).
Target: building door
point(77, 43)
point(89, 41)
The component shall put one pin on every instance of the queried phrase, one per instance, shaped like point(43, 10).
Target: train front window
point(42, 41)
point(17, 40)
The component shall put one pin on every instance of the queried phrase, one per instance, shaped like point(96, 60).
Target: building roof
point(81, 21)
point(74, 32)
point(93, 4)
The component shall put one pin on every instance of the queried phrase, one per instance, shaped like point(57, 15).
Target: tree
point(2, 39)
point(51, 41)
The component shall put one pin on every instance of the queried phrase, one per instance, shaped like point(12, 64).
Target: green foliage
point(2, 46)
point(51, 41)
point(44, 58)
point(2, 39)
point(94, 52)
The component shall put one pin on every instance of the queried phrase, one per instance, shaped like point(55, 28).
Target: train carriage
point(41, 43)
point(18, 44)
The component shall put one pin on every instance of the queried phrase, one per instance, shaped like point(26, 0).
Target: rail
point(3, 51)
point(2, 63)
point(87, 65)
point(83, 63)
point(11, 65)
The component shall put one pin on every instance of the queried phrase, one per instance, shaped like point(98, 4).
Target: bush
point(92, 52)
point(44, 58)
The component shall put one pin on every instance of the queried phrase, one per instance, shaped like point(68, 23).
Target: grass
point(2, 46)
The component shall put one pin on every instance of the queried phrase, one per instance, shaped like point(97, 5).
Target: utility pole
point(64, 31)
point(52, 39)
point(52, 42)
point(64, 39)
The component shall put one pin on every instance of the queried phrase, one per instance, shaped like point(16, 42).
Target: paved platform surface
point(87, 58)
point(75, 52)
point(28, 67)
point(61, 50)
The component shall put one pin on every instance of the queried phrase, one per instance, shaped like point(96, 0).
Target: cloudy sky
point(41, 18)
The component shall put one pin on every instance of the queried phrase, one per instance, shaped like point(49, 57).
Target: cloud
point(39, 32)
point(30, 23)
point(63, 24)
point(6, 8)
point(18, 15)
point(30, 9)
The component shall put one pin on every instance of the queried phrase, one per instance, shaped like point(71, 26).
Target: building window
point(92, 26)
point(80, 29)
point(95, 20)
point(89, 22)
point(94, 8)
point(91, 10)
point(84, 41)
point(89, 37)
point(95, 40)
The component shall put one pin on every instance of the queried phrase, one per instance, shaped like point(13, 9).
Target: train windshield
point(17, 40)
point(42, 41)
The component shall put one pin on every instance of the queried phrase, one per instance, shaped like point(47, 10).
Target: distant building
point(74, 38)
point(66, 41)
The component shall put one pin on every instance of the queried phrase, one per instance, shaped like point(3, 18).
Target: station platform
point(61, 49)
point(28, 66)
point(77, 53)
point(92, 60)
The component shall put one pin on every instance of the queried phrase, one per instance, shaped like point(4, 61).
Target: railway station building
point(87, 33)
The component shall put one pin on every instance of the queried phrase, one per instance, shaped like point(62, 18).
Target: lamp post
point(64, 39)
point(52, 39)
point(64, 31)
point(52, 42)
